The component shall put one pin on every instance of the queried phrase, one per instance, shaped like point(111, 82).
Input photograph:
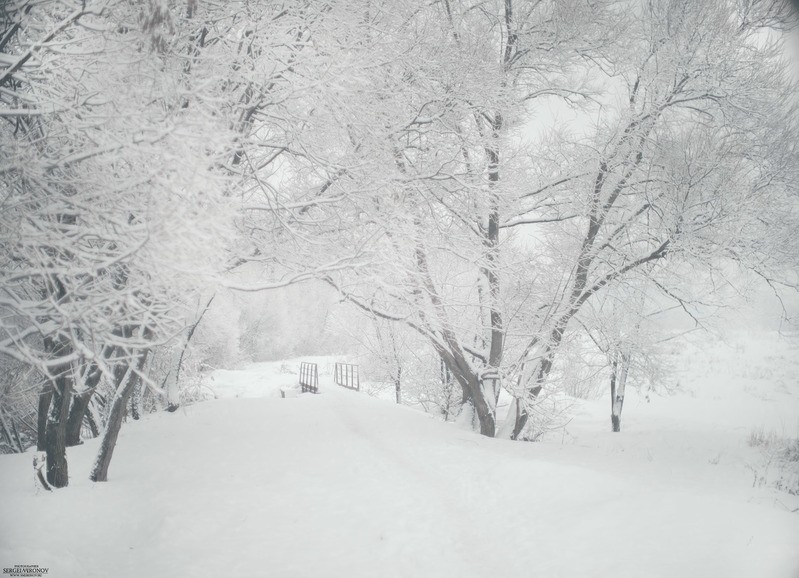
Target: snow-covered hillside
point(341, 484)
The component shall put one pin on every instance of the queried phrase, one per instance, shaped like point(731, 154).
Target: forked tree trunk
point(117, 413)
point(80, 404)
point(61, 379)
point(521, 414)
point(474, 392)
point(77, 412)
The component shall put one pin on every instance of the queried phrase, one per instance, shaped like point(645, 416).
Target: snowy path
point(343, 485)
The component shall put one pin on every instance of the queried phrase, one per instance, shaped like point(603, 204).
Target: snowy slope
point(701, 434)
point(339, 484)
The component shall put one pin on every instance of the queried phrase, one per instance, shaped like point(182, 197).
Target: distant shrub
point(759, 438)
point(780, 467)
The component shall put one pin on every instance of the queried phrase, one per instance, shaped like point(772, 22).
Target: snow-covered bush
point(779, 466)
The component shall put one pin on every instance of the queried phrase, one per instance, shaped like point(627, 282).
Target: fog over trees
point(490, 198)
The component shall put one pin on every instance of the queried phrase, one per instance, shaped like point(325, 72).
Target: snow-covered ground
point(342, 484)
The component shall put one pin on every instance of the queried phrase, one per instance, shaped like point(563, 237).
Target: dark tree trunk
point(472, 388)
point(77, 413)
point(58, 347)
point(482, 409)
point(520, 419)
point(45, 398)
point(118, 405)
point(80, 405)
point(56, 430)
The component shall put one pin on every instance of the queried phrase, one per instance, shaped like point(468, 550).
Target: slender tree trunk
point(398, 385)
point(519, 416)
point(135, 401)
point(173, 384)
point(118, 405)
point(617, 385)
point(614, 420)
point(13, 443)
point(92, 417)
point(398, 365)
point(542, 372)
point(15, 431)
point(45, 398)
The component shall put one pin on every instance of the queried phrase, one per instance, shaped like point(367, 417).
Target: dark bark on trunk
point(59, 348)
point(492, 248)
point(45, 398)
point(80, 404)
point(126, 384)
point(452, 355)
point(459, 367)
point(485, 415)
point(520, 420)
point(56, 430)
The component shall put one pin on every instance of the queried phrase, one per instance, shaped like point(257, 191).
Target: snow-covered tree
point(107, 192)
point(695, 117)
